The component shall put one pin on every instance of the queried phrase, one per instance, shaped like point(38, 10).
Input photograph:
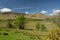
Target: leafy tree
point(21, 22)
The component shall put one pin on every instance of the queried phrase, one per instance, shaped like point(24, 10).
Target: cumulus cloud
point(43, 12)
point(5, 10)
point(55, 12)
point(26, 12)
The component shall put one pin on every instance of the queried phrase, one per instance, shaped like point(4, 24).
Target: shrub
point(43, 28)
point(21, 22)
point(53, 35)
point(5, 33)
point(9, 25)
point(33, 37)
point(38, 26)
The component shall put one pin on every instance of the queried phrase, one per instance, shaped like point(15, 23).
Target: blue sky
point(30, 5)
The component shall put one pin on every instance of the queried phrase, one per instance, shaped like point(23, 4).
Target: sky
point(30, 6)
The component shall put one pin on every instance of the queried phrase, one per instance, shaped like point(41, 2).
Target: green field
point(30, 32)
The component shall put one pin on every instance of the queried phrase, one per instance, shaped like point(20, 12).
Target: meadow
point(29, 33)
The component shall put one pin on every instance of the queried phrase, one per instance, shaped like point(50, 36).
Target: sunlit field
point(29, 19)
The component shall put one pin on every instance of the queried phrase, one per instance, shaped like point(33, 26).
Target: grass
point(15, 36)
point(18, 34)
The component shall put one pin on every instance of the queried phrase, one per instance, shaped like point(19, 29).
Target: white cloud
point(26, 12)
point(54, 12)
point(43, 12)
point(5, 10)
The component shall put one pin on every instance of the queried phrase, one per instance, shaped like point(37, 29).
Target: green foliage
point(9, 25)
point(21, 22)
point(43, 28)
point(38, 26)
point(54, 34)
point(5, 33)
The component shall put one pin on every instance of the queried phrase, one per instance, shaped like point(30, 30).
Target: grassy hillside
point(30, 32)
point(13, 15)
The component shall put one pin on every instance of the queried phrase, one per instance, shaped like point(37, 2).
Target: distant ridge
point(13, 15)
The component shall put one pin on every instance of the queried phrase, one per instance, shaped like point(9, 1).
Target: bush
point(33, 37)
point(38, 26)
point(21, 22)
point(5, 33)
point(53, 35)
point(9, 25)
point(43, 28)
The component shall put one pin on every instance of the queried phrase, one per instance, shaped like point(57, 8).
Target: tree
point(21, 22)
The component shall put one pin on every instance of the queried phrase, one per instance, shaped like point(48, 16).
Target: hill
point(13, 15)
point(30, 32)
